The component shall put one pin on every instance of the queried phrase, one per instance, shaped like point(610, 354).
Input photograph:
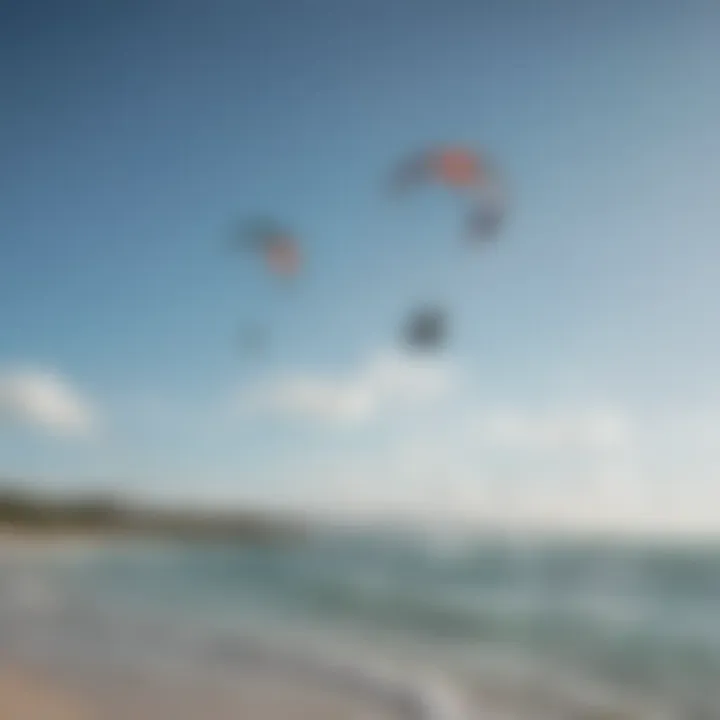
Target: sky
point(579, 387)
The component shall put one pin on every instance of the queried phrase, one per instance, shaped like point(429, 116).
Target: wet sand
point(31, 693)
point(27, 695)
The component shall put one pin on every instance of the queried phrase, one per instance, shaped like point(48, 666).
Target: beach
point(360, 626)
point(26, 694)
point(29, 693)
point(73, 657)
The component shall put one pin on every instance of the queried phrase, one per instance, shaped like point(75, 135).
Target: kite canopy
point(457, 167)
point(282, 256)
point(280, 252)
point(279, 248)
point(426, 329)
point(465, 172)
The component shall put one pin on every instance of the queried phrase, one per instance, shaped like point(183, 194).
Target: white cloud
point(563, 466)
point(43, 399)
point(522, 429)
point(386, 382)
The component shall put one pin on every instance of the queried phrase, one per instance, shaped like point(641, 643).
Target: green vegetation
point(24, 511)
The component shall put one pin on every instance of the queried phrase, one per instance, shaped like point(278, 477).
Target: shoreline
point(29, 692)
point(222, 664)
point(14, 542)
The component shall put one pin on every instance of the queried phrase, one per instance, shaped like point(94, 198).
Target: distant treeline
point(32, 511)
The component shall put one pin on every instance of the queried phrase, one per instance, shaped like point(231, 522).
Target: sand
point(29, 693)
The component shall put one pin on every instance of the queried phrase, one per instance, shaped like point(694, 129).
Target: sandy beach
point(184, 632)
point(27, 694)
point(38, 684)
point(31, 693)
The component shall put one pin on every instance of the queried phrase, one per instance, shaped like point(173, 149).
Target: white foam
point(413, 696)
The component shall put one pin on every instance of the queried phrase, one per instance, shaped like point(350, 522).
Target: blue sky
point(132, 136)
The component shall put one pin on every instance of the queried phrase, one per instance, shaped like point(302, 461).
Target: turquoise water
point(535, 627)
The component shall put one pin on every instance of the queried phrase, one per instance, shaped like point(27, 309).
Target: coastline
point(279, 687)
point(94, 630)
point(14, 542)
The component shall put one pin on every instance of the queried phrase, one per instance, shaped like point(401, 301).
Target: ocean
point(471, 626)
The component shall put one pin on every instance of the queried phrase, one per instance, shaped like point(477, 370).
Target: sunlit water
point(529, 629)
